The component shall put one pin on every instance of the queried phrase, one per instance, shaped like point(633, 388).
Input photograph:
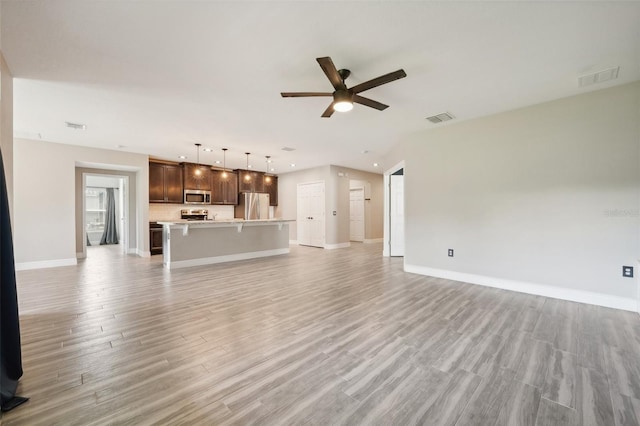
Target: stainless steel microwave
point(194, 196)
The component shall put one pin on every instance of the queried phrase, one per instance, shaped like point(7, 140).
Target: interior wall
point(374, 201)
point(288, 193)
point(45, 199)
point(132, 190)
point(536, 198)
point(6, 129)
point(337, 184)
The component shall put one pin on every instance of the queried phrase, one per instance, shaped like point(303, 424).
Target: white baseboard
point(336, 246)
point(226, 258)
point(23, 266)
point(563, 293)
point(373, 240)
point(140, 252)
point(80, 255)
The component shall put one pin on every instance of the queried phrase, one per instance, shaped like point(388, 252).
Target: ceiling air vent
point(76, 126)
point(445, 116)
point(598, 77)
point(286, 148)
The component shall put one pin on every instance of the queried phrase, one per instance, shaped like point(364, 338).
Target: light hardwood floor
point(315, 337)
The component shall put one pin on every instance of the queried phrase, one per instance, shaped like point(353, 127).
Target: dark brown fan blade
point(331, 72)
point(327, 112)
point(303, 94)
point(383, 79)
point(369, 102)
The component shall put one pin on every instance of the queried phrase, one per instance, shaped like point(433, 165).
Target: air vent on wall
point(286, 148)
point(445, 116)
point(598, 77)
point(76, 126)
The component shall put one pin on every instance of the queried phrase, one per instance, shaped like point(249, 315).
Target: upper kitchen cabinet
point(271, 186)
point(197, 177)
point(165, 183)
point(250, 181)
point(224, 188)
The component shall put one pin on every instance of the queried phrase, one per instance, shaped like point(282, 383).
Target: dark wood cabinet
point(250, 181)
point(155, 238)
point(165, 183)
point(197, 177)
point(271, 187)
point(224, 189)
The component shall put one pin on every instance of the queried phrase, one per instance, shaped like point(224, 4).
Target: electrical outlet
point(450, 252)
point(627, 271)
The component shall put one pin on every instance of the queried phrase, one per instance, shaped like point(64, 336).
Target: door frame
point(358, 188)
point(324, 206)
point(387, 207)
point(124, 221)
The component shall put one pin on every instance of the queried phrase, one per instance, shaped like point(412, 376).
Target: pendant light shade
point(198, 172)
point(224, 163)
point(267, 176)
point(247, 176)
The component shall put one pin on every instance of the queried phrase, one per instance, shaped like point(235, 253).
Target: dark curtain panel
point(110, 234)
point(10, 352)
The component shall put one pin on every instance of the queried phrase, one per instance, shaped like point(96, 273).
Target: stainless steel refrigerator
point(252, 206)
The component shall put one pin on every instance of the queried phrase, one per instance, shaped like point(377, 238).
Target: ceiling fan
point(343, 97)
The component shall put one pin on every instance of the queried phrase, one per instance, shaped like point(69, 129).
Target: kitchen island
point(192, 243)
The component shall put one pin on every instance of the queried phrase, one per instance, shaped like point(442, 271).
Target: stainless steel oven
point(193, 196)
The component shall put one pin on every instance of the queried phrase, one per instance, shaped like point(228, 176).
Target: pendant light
point(224, 163)
point(247, 176)
point(267, 176)
point(198, 172)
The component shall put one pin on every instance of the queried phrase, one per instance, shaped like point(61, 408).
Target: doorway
point(356, 214)
point(310, 214)
point(394, 216)
point(105, 208)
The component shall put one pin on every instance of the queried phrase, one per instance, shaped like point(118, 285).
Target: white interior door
point(356, 214)
point(310, 216)
point(396, 215)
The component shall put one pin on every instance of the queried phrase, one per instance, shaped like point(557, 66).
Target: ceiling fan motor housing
point(342, 95)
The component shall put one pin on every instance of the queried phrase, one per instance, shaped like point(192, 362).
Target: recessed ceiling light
point(75, 126)
point(375, 164)
point(364, 151)
point(217, 161)
point(273, 169)
point(182, 157)
point(286, 148)
point(292, 164)
point(207, 149)
point(121, 146)
point(249, 166)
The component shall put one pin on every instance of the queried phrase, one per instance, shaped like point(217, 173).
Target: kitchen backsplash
point(159, 212)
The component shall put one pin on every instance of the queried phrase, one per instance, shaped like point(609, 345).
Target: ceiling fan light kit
point(343, 97)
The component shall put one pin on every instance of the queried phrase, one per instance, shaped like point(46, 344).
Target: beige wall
point(6, 128)
point(547, 195)
point(337, 184)
point(45, 199)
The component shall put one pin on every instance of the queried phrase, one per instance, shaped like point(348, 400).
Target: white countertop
point(222, 222)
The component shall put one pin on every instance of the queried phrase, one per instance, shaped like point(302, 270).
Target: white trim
point(23, 266)
point(226, 258)
point(337, 246)
point(563, 293)
point(142, 253)
point(387, 206)
point(373, 240)
point(81, 255)
point(293, 242)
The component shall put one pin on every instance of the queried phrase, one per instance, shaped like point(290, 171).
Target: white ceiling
point(157, 77)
